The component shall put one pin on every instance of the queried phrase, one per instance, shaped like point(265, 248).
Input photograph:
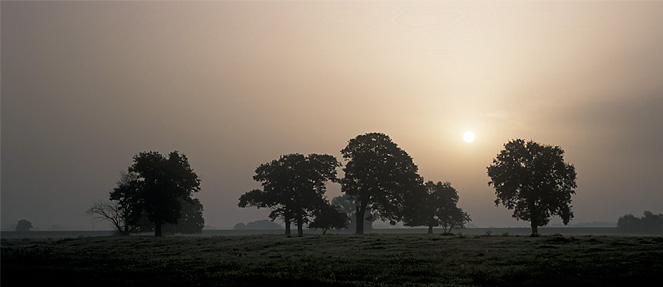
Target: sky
point(85, 86)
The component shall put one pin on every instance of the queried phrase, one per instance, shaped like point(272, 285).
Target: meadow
point(334, 260)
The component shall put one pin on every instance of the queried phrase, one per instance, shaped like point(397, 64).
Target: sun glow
point(468, 136)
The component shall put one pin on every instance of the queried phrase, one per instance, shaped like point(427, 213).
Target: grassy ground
point(334, 260)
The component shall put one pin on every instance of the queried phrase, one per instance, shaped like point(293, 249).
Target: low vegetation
point(334, 260)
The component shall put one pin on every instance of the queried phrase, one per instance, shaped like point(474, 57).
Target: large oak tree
point(378, 176)
point(534, 181)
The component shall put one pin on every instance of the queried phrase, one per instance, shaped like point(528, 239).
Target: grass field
point(334, 260)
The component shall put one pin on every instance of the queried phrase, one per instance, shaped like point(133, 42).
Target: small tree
point(534, 181)
point(328, 217)
point(457, 218)
point(23, 225)
point(124, 210)
point(435, 205)
point(113, 213)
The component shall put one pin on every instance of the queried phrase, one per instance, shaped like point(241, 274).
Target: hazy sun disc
point(468, 136)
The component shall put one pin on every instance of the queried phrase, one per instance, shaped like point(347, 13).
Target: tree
point(160, 185)
point(378, 176)
point(534, 181)
point(328, 217)
point(110, 212)
point(457, 218)
point(293, 187)
point(23, 225)
point(435, 205)
point(124, 210)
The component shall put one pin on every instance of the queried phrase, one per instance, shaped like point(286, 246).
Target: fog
point(87, 85)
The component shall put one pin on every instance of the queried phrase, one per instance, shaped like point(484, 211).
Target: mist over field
point(87, 85)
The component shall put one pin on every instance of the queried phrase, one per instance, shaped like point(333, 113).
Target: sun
point(468, 136)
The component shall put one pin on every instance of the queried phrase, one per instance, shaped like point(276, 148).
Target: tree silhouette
point(534, 181)
point(125, 211)
point(378, 176)
point(160, 185)
point(23, 225)
point(125, 208)
point(113, 213)
point(293, 187)
point(435, 205)
point(328, 217)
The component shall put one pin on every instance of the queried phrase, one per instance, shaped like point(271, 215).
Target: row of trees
point(381, 182)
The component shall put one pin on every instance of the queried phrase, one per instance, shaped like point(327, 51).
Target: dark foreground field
point(334, 260)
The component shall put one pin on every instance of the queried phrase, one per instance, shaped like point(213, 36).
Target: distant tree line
point(649, 223)
point(257, 225)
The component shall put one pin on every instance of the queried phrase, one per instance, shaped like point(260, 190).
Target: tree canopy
point(158, 187)
point(378, 176)
point(293, 187)
point(534, 181)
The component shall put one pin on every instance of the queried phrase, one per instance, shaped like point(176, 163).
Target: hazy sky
point(87, 85)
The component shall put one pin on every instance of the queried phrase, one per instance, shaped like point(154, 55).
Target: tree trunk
point(359, 228)
point(300, 226)
point(534, 218)
point(157, 228)
point(535, 229)
point(430, 229)
point(361, 212)
point(287, 226)
point(121, 231)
